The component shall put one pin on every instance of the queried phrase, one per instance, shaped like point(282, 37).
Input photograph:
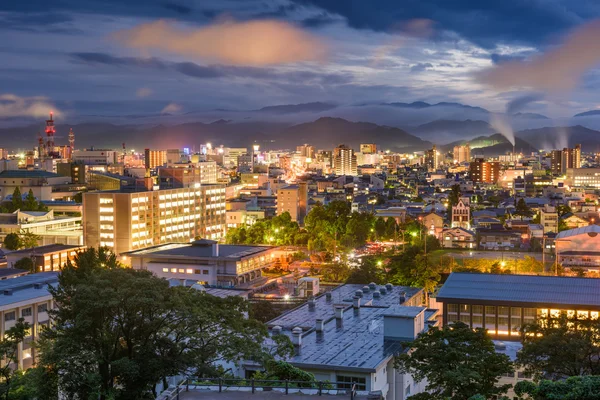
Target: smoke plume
point(501, 124)
point(519, 103)
point(558, 69)
point(263, 42)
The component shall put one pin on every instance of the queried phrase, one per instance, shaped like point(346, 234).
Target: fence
point(318, 388)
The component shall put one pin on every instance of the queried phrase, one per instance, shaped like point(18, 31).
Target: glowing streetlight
point(286, 297)
point(503, 264)
point(379, 263)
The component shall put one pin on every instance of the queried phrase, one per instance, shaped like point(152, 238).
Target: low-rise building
point(458, 238)
point(579, 247)
point(205, 261)
point(45, 258)
point(49, 228)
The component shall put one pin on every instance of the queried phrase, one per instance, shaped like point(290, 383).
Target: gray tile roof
point(28, 173)
point(186, 250)
point(578, 231)
point(557, 290)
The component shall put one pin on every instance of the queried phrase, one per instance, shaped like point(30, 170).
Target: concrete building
point(154, 158)
point(95, 157)
point(368, 148)
point(351, 334)
point(344, 161)
point(187, 175)
point(41, 182)
point(481, 171)
point(306, 150)
point(461, 215)
point(51, 229)
point(462, 153)
point(549, 219)
point(46, 258)
point(26, 297)
point(125, 221)
point(293, 199)
point(576, 178)
point(432, 158)
point(561, 160)
point(579, 247)
point(503, 303)
point(458, 238)
point(205, 261)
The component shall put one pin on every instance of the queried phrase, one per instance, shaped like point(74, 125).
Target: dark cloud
point(519, 103)
point(318, 20)
point(40, 22)
point(178, 8)
point(213, 71)
point(483, 22)
point(421, 67)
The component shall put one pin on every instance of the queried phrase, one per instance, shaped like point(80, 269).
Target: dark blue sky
point(148, 56)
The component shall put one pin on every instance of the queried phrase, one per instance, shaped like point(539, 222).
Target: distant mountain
point(530, 115)
point(315, 107)
point(328, 132)
point(443, 130)
point(422, 104)
point(588, 113)
point(562, 136)
point(416, 104)
point(492, 145)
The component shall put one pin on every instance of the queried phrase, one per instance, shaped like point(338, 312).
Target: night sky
point(150, 56)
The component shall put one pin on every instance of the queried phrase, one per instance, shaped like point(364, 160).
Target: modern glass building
point(502, 303)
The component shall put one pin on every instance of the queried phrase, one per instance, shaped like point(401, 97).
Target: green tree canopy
point(457, 362)
point(26, 264)
point(572, 388)
point(12, 241)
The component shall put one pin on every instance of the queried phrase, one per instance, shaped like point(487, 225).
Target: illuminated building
point(461, 214)
point(561, 160)
point(125, 221)
point(49, 228)
point(462, 153)
point(503, 303)
point(187, 175)
point(344, 161)
point(95, 156)
point(46, 258)
point(579, 247)
point(583, 177)
point(154, 158)
point(482, 171)
point(293, 199)
point(42, 183)
point(306, 150)
point(549, 219)
point(368, 148)
point(432, 159)
point(205, 262)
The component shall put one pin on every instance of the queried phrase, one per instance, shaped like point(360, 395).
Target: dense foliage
point(573, 388)
point(457, 362)
point(17, 203)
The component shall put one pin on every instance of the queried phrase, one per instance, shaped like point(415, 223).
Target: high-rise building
point(432, 158)
point(293, 199)
point(344, 161)
point(187, 175)
point(462, 153)
point(154, 158)
point(125, 221)
point(482, 171)
point(368, 148)
point(306, 150)
point(561, 160)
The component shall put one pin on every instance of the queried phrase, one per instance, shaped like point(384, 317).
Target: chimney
point(215, 249)
point(319, 325)
point(311, 304)
point(328, 296)
point(297, 339)
point(365, 289)
point(376, 294)
point(389, 287)
point(339, 312)
point(276, 330)
point(372, 286)
point(402, 297)
point(382, 290)
point(358, 293)
point(356, 302)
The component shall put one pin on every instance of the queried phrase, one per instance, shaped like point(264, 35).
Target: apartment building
point(482, 171)
point(26, 297)
point(462, 153)
point(154, 158)
point(188, 174)
point(344, 161)
point(549, 219)
point(293, 199)
point(561, 160)
point(126, 221)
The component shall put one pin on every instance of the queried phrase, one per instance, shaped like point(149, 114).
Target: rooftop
point(28, 173)
point(193, 250)
point(512, 289)
point(591, 230)
point(358, 342)
point(49, 248)
point(27, 287)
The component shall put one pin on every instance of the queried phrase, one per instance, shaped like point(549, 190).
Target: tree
point(522, 209)
point(556, 347)
point(26, 264)
point(453, 197)
point(30, 203)
point(17, 199)
point(457, 362)
point(8, 353)
point(28, 239)
point(563, 209)
point(369, 270)
point(335, 272)
point(12, 241)
point(572, 388)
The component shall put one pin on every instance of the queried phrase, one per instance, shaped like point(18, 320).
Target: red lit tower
point(50, 131)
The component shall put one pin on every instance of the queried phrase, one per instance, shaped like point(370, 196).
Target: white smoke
point(501, 124)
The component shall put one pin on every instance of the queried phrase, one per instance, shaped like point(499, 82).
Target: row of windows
point(186, 271)
point(26, 312)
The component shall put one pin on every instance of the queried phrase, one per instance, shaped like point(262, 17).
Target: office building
point(462, 153)
point(43, 184)
point(561, 160)
point(351, 334)
point(503, 303)
point(368, 148)
point(432, 159)
point(245, 164)
point(126, 221)
point(26, 297)
point(576, 178)
point(50, 229)
point(306, 150)
point(173, 156)
point(95, 157)
point(293, 199)
point(187, 175)
point(46, 258)
point(482, 171)
point(344, 161)
point(205, 261)
point(154, 158)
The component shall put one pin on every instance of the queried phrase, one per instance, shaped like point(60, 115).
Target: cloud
point(213, 71)
point(420, 67)
point(14, 106)
point(261, 42)
point(520, 102)
point(143, 92)
point(559, 69)
point(171, 108)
